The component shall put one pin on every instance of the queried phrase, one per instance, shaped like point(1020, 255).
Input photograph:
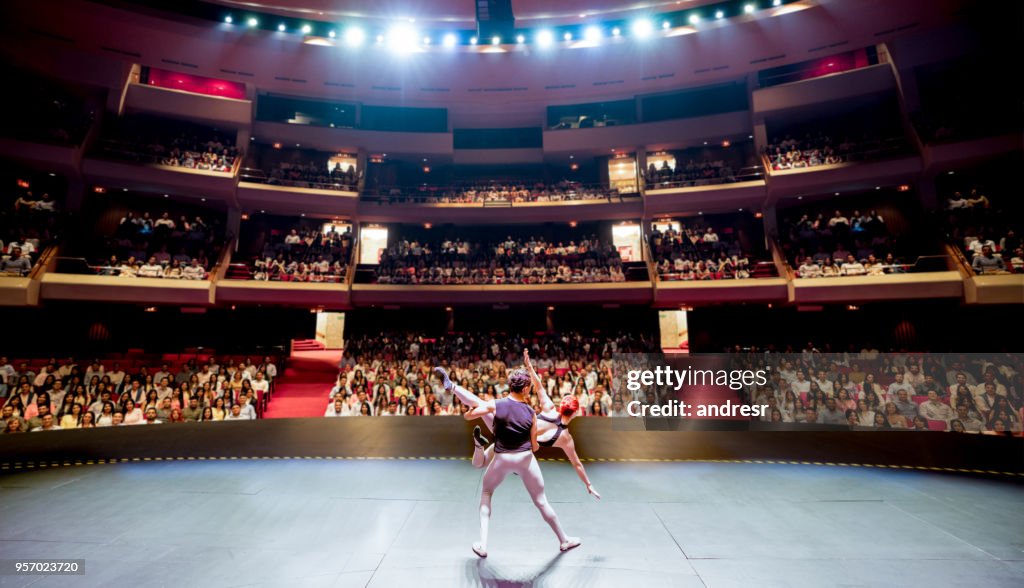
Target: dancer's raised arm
point(545, 400)
point(480, 410)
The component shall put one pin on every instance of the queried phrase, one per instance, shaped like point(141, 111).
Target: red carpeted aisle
point(303, 388)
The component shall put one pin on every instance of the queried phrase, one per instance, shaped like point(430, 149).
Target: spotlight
point(306, 29)
point(402, 38)
point(450, 40)
point(592, 34)
point(472, 40)
point(666, 25)
point(380, 39)
point(719, 14)
point(252, 22)
point(567, 36)
point(354, 36)
point(520, 39)
point(776, 2)
point(331, 34)
point(228, 19)
point(426, 40)
point(616, 32)
point(694, 19)
point(748, 9)
point(545, 38)
point(643, 28)
point(495, 40)
point(281, 28)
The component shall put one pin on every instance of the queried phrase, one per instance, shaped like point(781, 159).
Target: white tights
point(524, 464)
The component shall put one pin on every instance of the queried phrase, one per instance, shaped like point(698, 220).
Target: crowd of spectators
point(70, 395)
point(26, 228)
point(698, 252)
point(151, 246)
point(817, 148)
point(170, 143)
point(307, 174)
point(694, 173)
point(856, 245)
point(869, 390)
point(388, 374)
point(989, 237)
point(305, 256)
point(510, 261)
point(498, 192)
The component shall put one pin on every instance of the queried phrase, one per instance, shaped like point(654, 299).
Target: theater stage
point(391, 522)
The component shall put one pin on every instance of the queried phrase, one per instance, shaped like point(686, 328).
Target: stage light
point(281, 28)
point(472, 40)
point(520, 39)
point(331, 34)
point(616, 32)
point(426, 40)
point(228, 19)
point(402, 38)
point(642, 28)
point(450, 40)
point(776, 2)
point(567, 36)
point(748, 8)
point(592, 34)
point(252, 22)
point(380, 39)
point(306, 29)
point(354, 36)
point(694, 19)
point(666, 25)
point(545, 38)
point(495, 40)
point(719, 14)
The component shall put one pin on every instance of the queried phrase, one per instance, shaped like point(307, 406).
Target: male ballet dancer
point(515, 440)
point(552, 423)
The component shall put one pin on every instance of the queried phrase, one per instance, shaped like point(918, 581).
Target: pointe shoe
point(479, 550)
point(570, 543)
point(445, 380)
point(478, 438)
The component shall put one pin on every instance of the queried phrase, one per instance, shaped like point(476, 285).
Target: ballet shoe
point(445, 380)
point(570, 543)
point(478, 438)
point(479, 550)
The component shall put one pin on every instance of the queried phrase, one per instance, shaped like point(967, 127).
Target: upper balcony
point(157, 155)
point(190, 97)
point(287, 181)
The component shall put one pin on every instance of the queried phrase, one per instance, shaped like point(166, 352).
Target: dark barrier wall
point(450, 437)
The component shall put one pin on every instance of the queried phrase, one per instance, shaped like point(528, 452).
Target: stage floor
point(410, 523)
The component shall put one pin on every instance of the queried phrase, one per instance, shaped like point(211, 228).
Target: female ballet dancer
point(552, 423)
point(515, 440)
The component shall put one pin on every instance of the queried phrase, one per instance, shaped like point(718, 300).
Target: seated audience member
point(988, 262)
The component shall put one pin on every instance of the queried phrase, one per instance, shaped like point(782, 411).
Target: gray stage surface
point(411, 522)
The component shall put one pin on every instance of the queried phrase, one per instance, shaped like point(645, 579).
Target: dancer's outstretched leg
point(468, 398)
point(534, 482)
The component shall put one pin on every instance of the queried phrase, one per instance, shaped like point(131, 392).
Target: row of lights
point(403, 37)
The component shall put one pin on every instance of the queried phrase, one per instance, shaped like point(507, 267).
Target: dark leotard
point(513, 421)
point(558, 432)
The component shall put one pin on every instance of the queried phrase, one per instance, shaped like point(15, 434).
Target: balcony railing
point(751, 173)
point(867, 151)
point(258, 176)
point(497, 197)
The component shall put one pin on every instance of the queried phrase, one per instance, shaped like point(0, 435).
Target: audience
point(305, 255)
point(855, 245)
point(27, 227)
point(988, 236)
point(562, 191)
point(65, 396)
point(306, 174)
point(938, 392)
point(171, 143)
point(387, 374)
point(698, 252)
point(817, 148)
point(694, 173)
point(511, 261)
point(148, 245)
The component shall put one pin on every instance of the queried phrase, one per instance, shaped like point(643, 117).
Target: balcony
point(929, 278)
point(198, 108)
point(294, 198)
point(888, 163)
point(334, 296)
point(747, 193)
point(402, 295)
point(425, 210)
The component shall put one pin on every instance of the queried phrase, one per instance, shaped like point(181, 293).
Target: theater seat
point(937, 425)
